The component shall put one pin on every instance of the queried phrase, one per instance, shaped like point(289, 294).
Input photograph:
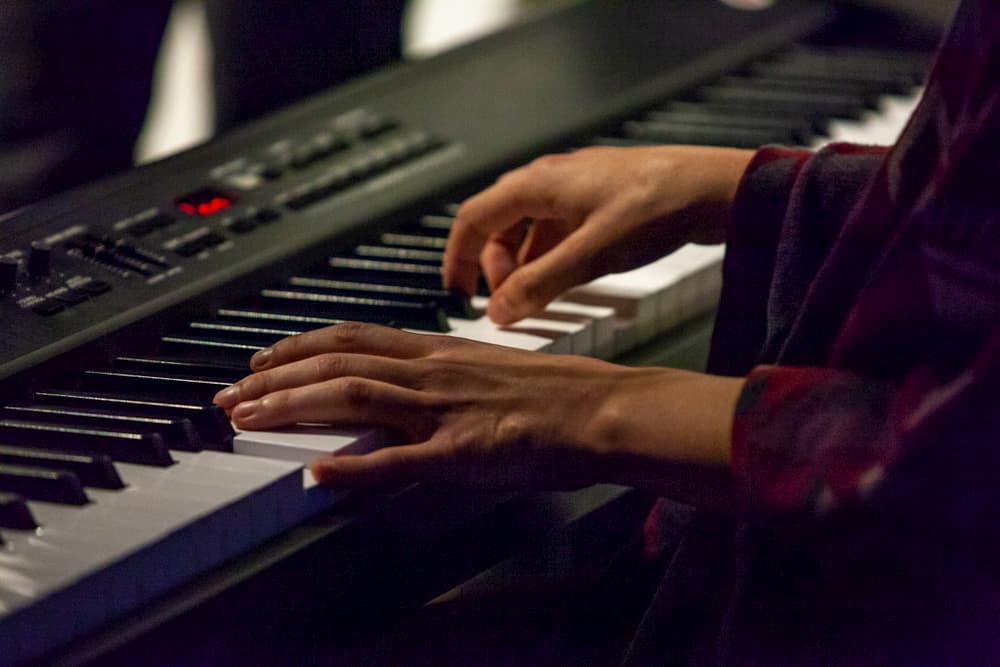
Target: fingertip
point(261, 359)
point(322, 470)
point(228, 398)
point(343, 470)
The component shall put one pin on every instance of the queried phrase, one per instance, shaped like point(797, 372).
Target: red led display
point(204, 202)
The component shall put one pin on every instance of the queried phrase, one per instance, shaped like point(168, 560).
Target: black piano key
point(202, 347)
point(210, 420)
point(53, 486)
point(266, 319)
point(450, 208)
point(380, 271)
point(816, 120)
point(245, 332)
point(429, 225)
point(423, 316)
point(436, 222)
point(398, 254)
point(828, 104)
point(126, 446)
point(151, 385)
point(15, 513)
point(402, 240)
point(177, 432)
point(654, 132)
point(860, 60)
point(801, 129)
point(888, 83)
point(452, 303)
point(94, 470)
point(182, 367)
point(867, 95)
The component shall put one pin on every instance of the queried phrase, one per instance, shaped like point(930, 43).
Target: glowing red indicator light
point(204, 202)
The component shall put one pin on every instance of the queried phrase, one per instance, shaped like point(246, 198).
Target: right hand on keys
point(591, 212)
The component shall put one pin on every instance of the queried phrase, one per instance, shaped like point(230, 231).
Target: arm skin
point(486, 416)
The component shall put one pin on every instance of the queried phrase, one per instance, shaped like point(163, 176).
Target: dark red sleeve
point(788, 211)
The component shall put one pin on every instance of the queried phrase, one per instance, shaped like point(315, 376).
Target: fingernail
point(228, 397)
point(245, 411)
point(261, 358)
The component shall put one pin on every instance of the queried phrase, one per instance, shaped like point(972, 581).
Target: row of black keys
point(789, 99)
point(67, 439)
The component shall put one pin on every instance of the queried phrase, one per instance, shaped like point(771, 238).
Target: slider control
point(8, 275)
point(39, 260)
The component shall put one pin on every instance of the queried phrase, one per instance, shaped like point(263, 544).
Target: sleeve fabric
point(866, 441)
point(882, 294)
point(861, 300)
point(788, 200)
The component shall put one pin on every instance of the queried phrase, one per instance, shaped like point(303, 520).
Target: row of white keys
point(88, 564)
point(653, 299)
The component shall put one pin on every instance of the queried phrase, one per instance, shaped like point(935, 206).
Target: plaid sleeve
point(787, 213)
point(810, 441)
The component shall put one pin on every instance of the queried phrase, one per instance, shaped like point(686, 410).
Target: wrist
point(718, 173)
point(665, 423)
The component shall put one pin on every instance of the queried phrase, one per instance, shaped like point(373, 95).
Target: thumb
point(533, 285)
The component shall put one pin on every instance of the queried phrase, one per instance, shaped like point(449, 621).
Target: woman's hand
point(592, 212)
point(486, 416)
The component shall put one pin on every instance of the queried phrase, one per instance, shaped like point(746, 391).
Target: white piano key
point(174, 522)
point(654, 298)
point(307, 442)
point(633, 296)
point(568, 335)
point(483, 329)
point(879, 128)
point(699, 282)
point(600, 318)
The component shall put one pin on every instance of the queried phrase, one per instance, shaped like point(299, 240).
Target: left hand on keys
point(485, 416)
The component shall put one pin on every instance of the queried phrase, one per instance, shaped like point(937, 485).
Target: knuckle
point(253, 385)
point(508, 176)
point(348, 334)
point(511, 429)
point(425, 373)
point(329, 365)
point(548, 161)
point(355, 392)
point(435, 347)
point(276, 403)
point(461, 448)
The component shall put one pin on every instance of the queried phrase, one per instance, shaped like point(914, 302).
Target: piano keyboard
point(123, 480)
